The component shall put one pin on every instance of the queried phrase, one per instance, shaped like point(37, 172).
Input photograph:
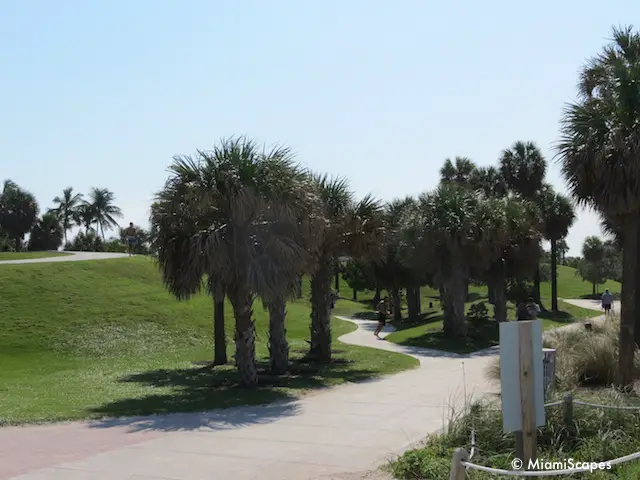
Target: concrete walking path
point(73, 257)
point(351, 428)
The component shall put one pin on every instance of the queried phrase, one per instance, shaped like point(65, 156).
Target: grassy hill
point(95, 338)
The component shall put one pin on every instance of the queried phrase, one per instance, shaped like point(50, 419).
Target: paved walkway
point(74, 257)
point(346, 429)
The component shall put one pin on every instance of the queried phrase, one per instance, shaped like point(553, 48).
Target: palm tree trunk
point(219, 335)
point(536, 286)
point(245, 336)
point(499, 298)
point(455, 289)
point(554, 275)
point(628, 300)
point(320, 348)
point(491, 295)
point(412, 303)
point(18, 244)
point(355, 295)
point(376, 298)
point(397, 308)
point(299, 288)
point(278, 346)
point(337, 287)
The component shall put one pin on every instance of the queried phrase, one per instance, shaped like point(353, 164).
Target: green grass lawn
point(27, 255)
point(101, 338)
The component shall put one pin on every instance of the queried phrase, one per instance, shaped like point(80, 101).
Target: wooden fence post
point(527, 393)
point(457, 469)
point(568, 413)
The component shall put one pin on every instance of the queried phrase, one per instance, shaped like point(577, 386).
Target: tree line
point(97, 213)
point(243, 223)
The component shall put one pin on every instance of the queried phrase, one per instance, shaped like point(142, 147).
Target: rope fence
point(461, 461)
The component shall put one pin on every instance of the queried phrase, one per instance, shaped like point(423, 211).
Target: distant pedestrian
point(527, 311)
point(130, 234)
point(383, 311)
point(333, 298)
point(607, 302)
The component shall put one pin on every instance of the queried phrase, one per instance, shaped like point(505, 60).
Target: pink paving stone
point(24, 449)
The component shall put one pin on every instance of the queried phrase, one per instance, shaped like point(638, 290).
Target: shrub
point(478, 313)
point(85, 242)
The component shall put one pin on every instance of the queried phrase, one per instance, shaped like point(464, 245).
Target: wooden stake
point(527, 395)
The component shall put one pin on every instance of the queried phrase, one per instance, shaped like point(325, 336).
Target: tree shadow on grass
point(194, 391)
point(480, 337)
point(432, 316)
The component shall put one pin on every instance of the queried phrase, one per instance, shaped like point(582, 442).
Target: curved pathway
point(70, 257)
point(326, 434)
point(352, 428)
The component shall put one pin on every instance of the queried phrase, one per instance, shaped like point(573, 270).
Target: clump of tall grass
point(583, 357)
point(595, 435)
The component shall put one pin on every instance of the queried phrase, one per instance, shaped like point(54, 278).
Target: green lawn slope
point(101, 338)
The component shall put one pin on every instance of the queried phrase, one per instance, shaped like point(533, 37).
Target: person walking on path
point(607, 302)
point(130, 234)
point(527, 311)
point(383, 311)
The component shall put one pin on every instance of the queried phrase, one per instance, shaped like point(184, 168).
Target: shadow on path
point(226, 419)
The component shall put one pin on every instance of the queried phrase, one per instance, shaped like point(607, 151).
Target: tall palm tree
point(488, 181)
point(523, 169)
point(459, 171)
point(67, 209)
point(557, 217)
point(599, 150)
point(104, 211)
point(390, 271)
point(451, 231)
point(349, 228)
point(513, 227)
point(235, 213)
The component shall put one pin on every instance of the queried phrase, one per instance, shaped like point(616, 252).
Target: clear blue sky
point(104, 93)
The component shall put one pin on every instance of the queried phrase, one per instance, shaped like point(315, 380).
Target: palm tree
point(85, 216)
point(46, 234)
point(599, 150)
point(236, 213)
point(390, 271)
point(104, 211)
point(513, 227)
point(459, 171)
point(488, 181)
point(557, 217)
point(523, 169)
point(563, 248)
point(18, 212)
point(450, 231)
point(349, 228)
point(67, 209)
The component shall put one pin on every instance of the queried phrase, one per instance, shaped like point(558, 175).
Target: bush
point(85, 242)
point(604, 434)
point(478, 313)
point(583, 357)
